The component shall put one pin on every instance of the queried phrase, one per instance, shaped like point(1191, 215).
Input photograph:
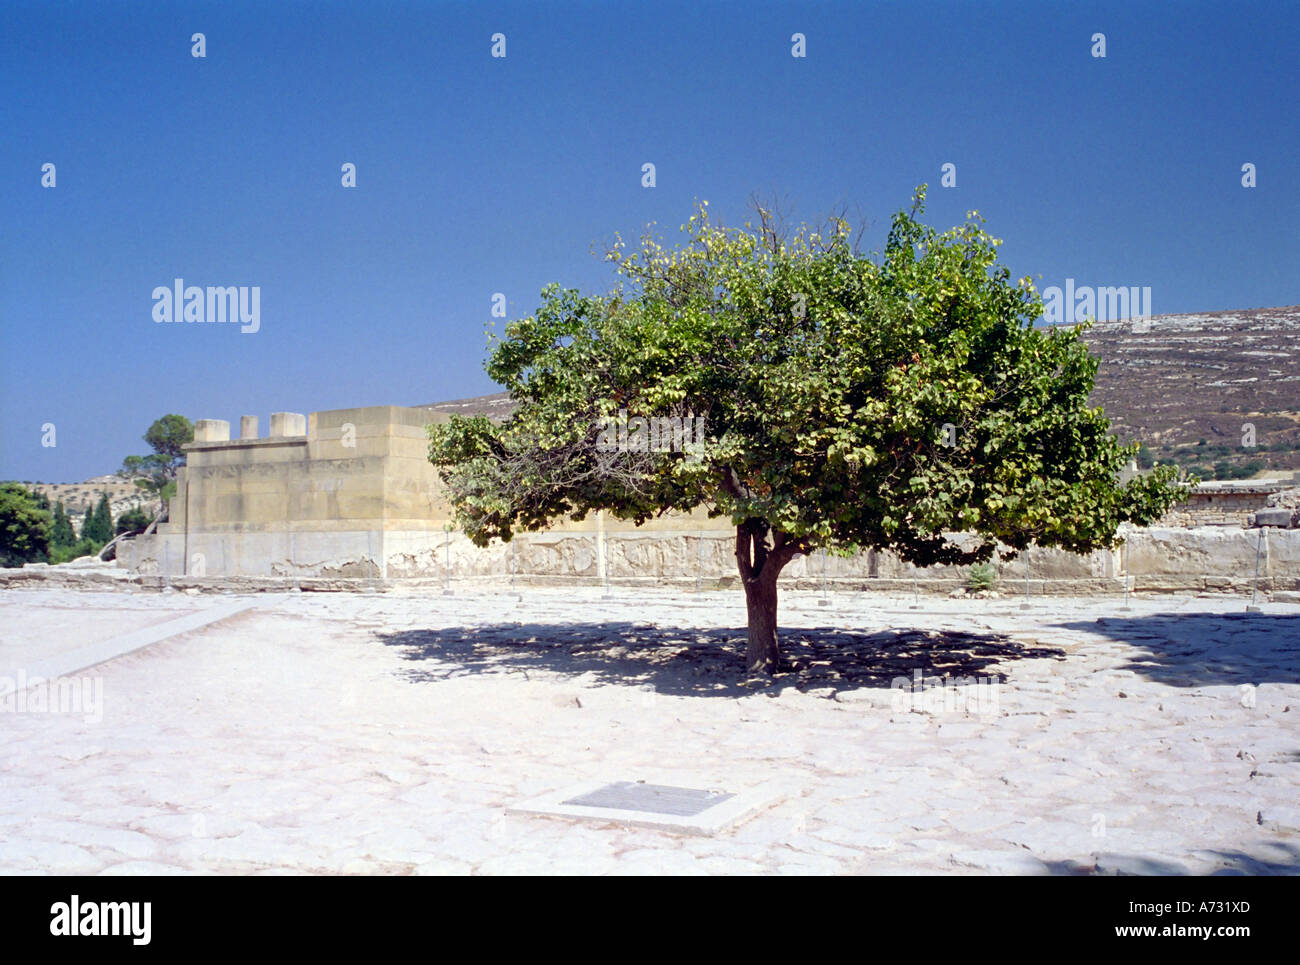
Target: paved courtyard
point(392, 732)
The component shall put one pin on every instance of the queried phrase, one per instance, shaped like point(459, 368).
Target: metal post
point(916, 592)
point(699, 563)
point(1025, 605)
point(604, 537)
point(225, 568)
point(824, 601)
point(166, 566)
point(1254, 589)
point(1127, 571)
point(293, 560)
point(446, 562)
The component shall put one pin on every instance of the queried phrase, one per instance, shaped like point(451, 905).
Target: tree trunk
point(761, 554)
point(762, 654)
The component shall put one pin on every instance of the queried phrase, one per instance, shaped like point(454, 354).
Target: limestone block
point(212, 430)
point(288, 424)
point(1281, 518)
point(248, 427)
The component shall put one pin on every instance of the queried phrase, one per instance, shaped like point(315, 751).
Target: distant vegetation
point(30, 532)
point(1219, 461)
point(25, 525)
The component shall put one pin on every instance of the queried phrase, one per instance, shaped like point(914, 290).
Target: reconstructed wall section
point(350, 494)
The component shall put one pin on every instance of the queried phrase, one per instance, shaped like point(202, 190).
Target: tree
point(25, 523)
point(133, 522)
point(892, 402)
point(155, 473)
point(61, 533)
point(100, 526)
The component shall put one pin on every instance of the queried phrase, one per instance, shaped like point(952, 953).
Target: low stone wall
point(1164, 559)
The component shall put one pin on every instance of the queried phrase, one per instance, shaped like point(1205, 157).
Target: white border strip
point(83, 658)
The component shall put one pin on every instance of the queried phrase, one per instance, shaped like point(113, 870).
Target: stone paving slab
point(57, 622)
point(393, 734)
point(63, 653)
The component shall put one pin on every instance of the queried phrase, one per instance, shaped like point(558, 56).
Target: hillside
point(77, 497)
point(1185, 385)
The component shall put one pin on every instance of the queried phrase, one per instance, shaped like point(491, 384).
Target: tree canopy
point(849, 402)
point(155, 473)
point(25, 525)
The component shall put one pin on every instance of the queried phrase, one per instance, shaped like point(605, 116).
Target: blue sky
point(478, 175)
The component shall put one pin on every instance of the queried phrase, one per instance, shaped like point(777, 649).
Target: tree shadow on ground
point(1206, 649)
point(1270, 858)
point(709, 662)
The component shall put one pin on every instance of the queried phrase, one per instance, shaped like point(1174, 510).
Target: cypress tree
point(87, 522)
point(61, 534)
point(102, 521)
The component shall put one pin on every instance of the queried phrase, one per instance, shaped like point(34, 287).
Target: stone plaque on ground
point(692, 810)
point(684, 802)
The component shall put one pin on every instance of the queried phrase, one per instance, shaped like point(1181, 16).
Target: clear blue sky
point(477, 175)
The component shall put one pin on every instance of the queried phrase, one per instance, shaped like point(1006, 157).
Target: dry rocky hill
point(1190, 386)
point(77, 497)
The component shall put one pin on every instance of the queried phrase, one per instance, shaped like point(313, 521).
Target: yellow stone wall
point(356, 469)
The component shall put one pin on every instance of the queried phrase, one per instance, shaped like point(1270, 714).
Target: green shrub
point(982, 576)
point(25, 524)
point(66, 554)
point(133, 521)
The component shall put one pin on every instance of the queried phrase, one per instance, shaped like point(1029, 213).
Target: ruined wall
point(1210, 559)
point(349, 494)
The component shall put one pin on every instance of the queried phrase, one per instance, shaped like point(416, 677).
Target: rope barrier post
point(604, 537)
point(1127, 572)
point(225, 569)
point(446, 562)
point(1254, 587)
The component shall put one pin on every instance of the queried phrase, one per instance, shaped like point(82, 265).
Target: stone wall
point(349, 494)
point(1155, 560)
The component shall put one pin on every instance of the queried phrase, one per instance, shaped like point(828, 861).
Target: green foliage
point(83, 547)
point(825, 378)
point(1144, 458)
point(155, 473)
point(100, 525)
point(61, 533)
point(981, 576)
point(168, 435)
point(25, 525)
point(133, 521)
